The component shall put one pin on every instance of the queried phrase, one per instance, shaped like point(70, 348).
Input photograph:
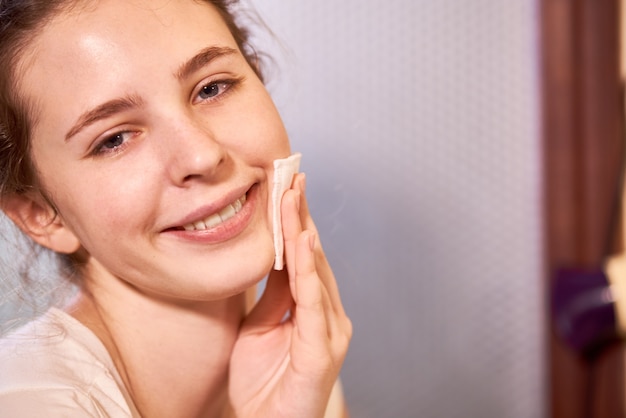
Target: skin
point(169, 305)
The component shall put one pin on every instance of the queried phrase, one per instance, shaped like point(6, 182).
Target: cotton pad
point(284, 170)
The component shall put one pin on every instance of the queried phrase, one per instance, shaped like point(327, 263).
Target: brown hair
point(20, 21)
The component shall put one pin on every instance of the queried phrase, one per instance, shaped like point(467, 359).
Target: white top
point(54, 366)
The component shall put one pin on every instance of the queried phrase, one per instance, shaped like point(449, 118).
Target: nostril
point(189, 177)
point(201, 167)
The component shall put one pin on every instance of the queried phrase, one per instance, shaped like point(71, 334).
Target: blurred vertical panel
point(419, 124)
point(583, 135)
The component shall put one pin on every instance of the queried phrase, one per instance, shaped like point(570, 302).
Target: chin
point(227, 279)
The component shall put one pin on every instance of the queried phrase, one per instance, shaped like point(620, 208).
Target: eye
point(214, 90)
point(112, 143)
point(211, 90)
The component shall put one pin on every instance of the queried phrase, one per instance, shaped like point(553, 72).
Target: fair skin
point(187, 130)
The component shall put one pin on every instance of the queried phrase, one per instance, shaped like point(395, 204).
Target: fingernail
point(312, 241)
point(298, 197)
point(303, 183)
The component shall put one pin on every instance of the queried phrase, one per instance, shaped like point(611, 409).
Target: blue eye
point(213, 90)
point(112, 143)
point(209, 91)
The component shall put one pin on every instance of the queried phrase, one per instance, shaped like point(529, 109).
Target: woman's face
point(155, 139)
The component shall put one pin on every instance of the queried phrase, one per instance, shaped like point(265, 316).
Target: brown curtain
point(583, 137)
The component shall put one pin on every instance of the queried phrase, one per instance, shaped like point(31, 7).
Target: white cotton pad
point(284, 170)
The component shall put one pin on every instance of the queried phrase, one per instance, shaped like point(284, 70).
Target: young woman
point(137, 141)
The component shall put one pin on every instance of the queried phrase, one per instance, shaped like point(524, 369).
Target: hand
point(292, 345)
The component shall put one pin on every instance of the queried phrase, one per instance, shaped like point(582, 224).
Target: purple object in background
point(583, 308)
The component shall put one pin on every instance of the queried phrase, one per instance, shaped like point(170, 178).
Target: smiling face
point(154, 139)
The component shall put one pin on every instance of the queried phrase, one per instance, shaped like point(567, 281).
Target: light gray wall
point(418, 121)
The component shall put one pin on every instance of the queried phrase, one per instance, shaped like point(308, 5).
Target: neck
point(172, 358)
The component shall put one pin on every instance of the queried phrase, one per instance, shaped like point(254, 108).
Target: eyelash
point(101, 148)
point(225, 87)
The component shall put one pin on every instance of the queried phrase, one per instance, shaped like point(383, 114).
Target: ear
point(39, 220)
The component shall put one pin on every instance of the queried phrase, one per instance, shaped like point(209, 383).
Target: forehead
point(107, 48)
point(132, 26)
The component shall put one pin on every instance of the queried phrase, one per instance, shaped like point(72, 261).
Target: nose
point(191, 153)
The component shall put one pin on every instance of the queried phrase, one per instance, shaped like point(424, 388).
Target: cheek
point(277, 140)
point(102, 204)
point(260, 126)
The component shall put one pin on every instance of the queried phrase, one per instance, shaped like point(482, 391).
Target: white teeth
point(212, 220)
point(217, 218)
point(227, 213)
point(238, 205)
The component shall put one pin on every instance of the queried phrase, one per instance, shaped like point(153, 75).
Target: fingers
point(292, 228)
point(311, 302)
point(324, 333)
point(312, 282)
point(305, 215)
point(314, 339)
point(306, 223)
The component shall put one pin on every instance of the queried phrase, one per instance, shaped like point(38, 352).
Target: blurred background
point(419, 124)
point(459, 153)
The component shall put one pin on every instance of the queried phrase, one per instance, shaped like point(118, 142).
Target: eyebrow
point(203, 58)
point(104, 111)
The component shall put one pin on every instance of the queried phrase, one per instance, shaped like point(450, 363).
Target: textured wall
point(419, 125)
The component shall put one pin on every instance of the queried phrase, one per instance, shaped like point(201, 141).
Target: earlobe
point(38, 219)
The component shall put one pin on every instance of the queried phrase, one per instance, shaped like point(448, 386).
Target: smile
point(217, 218)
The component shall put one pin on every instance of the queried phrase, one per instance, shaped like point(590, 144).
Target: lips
point(216, 219)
